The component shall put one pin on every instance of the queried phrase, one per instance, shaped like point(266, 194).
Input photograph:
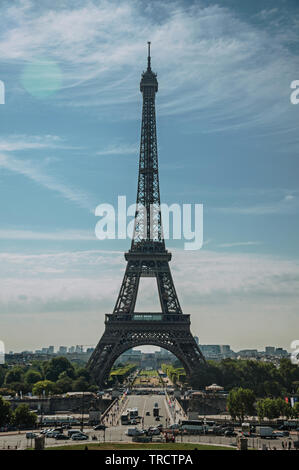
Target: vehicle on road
point(124, 419)
point(134, 432)
point(60, 437)
point(174, 426)
point(153, 431)
point(230, 433)
point(73, 431)
point(100, 427)
point(147, 413)
point(279, 434)
point(192, 426)
point(141, 439)
point(30, 435)
point(265, 432)
point(79, 437)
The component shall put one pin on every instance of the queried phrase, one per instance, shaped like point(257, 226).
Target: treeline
point(55, 376)
point(19, 418)
point(242, 402)
point(263, 378)
point(176, 374)
point(119, 373)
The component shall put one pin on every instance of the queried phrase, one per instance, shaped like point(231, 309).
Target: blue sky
point(227, 135)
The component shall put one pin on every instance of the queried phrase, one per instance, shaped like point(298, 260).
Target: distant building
point(211, 351)
point(248, 353)
point(62, 350)
point(281, 352)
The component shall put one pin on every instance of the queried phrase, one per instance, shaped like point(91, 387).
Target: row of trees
point(263, 378)
point(20, 417)
point(242, 402)
point(174, 372)
point(119, 373)
point(57, 375)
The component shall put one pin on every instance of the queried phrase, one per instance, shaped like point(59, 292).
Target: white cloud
point(233, 298)
point(17, 142)
point(288, 205)
point(121, 149)
point(234, 244)
point(208, 59)
point(53, 235)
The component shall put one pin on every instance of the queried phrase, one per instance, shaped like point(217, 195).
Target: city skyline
point(227, 138)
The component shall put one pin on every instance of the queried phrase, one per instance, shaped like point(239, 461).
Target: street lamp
point(82, 413)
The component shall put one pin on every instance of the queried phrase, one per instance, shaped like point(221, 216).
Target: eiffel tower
point(148, 257)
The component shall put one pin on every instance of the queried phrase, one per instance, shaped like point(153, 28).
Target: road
point(117, 432)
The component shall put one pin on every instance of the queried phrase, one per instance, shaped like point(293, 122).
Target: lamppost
point(82, 413)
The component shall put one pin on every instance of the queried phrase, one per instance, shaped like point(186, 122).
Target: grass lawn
point(140, 446)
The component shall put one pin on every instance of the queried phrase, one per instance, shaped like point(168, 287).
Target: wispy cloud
point(208, 59)
point(119, 150)
point(70, 235)
point(237, 244)
point(286, 206)
point(37, 174)
point(16, 142)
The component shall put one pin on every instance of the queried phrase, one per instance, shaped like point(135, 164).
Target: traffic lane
point(146, 403)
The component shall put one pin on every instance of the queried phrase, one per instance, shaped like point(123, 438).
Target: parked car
point(135, 432)
point(153, 432)
point(229, 433)
point(73, 431)
point(61, 437)
point(100, 427)
point(141, 439)
point(30, 435)
point(79, 437)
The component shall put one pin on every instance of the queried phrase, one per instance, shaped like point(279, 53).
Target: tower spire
point(149, 56)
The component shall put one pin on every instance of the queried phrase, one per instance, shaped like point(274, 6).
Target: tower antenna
point(149, 56)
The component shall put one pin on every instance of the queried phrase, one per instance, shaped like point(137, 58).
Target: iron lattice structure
point(147, 257)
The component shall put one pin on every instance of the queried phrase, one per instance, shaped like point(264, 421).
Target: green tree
point(23, 417)
point(32, 376)
point(83, 372)
point(271, 408)
point(3, 371)
point(56, 366)
point(14, 375)
point(260, 409)
point(44, 386)
point(80, 385)
point(64, 384)
point(5, 412)
point(240, 403)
